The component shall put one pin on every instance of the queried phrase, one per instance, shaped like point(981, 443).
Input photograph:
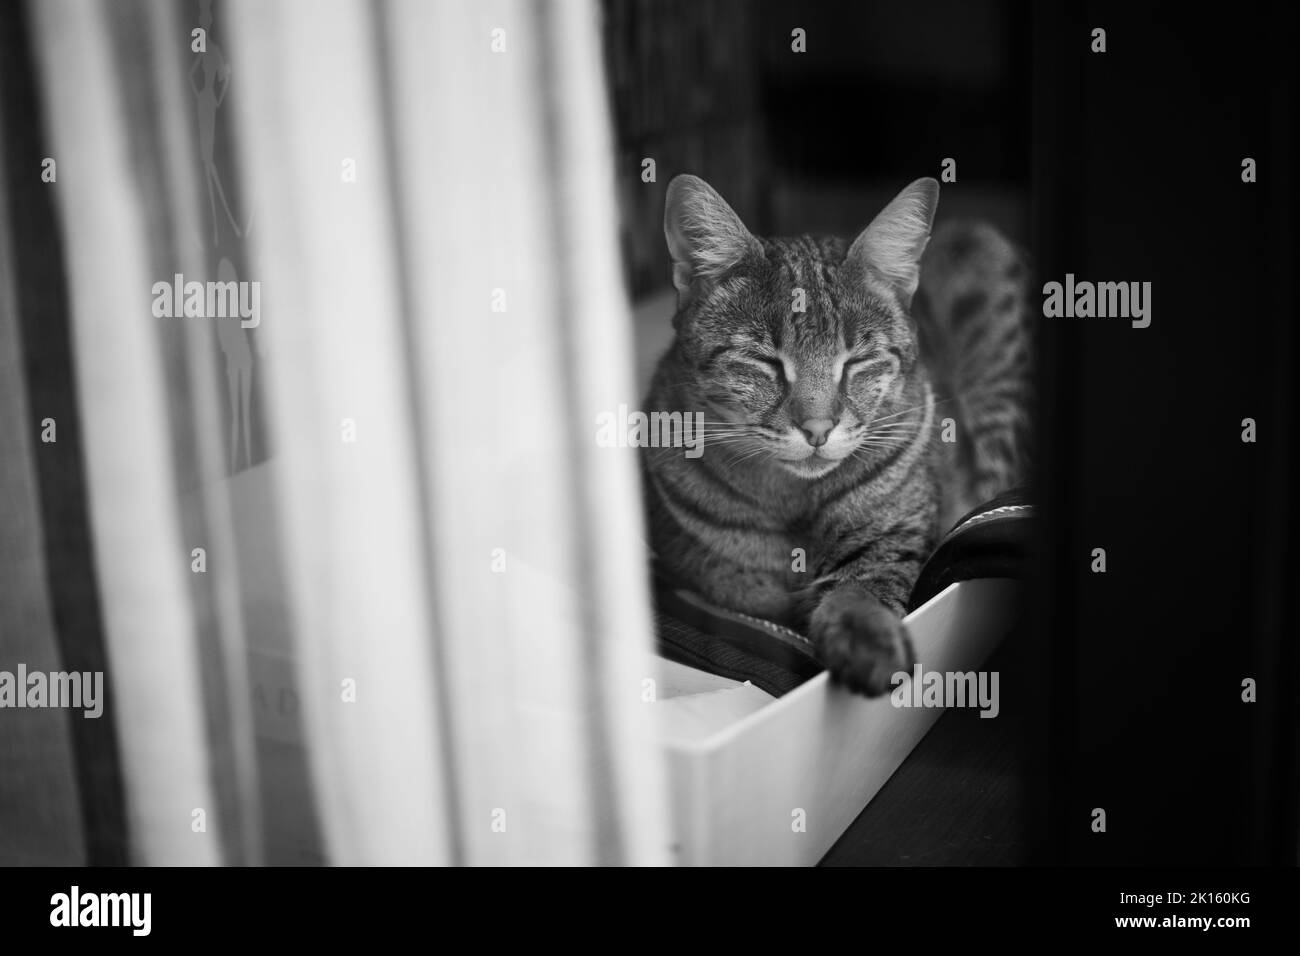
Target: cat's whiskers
point(883, 445)
point(884, 418)
point(754, 453)
point(909, 430)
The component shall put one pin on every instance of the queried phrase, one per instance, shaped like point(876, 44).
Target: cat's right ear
point(706, 238)
point(893, 243)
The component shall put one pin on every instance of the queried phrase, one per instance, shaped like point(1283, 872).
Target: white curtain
point(140, 552)
point(420, 525)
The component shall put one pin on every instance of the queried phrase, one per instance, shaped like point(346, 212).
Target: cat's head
point(794, 346)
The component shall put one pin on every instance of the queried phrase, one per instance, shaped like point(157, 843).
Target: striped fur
point(971, 314)
point(818, 495)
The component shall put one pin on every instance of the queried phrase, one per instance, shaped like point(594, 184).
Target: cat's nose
point(816, 430)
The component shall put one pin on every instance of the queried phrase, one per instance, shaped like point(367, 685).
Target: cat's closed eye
point(769, 365)
point(878, 362)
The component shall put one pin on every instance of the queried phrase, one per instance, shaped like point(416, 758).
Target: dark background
point(1137, 175)
point(1121, 690)
point(816, 141)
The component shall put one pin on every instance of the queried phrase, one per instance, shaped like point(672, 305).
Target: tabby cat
point(825, 378)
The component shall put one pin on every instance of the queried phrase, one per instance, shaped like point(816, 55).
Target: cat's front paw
point(861, 642)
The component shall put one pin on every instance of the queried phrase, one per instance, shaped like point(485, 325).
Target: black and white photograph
point(650, 433)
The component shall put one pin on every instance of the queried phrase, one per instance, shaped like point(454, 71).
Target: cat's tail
point(973, 319)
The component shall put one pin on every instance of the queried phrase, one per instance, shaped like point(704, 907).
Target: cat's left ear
point(893, 243)
point(706, 239)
